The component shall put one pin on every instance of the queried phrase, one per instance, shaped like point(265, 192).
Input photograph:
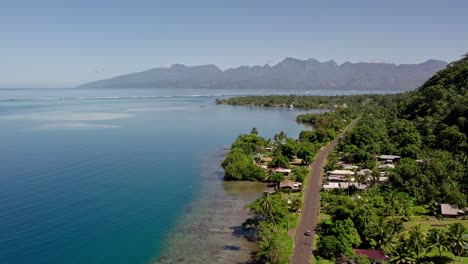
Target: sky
point(55, 44)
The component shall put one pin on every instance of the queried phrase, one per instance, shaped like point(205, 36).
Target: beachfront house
point(286, 172)
point(293, 186)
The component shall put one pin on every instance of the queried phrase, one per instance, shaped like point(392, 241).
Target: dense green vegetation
point(270, 218)
point(428, 128)
point(311, 102)
point(272, 214)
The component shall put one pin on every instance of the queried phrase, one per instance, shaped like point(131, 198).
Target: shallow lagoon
point(124, 178)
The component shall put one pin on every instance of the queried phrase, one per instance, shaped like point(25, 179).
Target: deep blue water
point(103, 180)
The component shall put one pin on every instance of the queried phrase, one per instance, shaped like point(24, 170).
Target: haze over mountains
point(290, 74)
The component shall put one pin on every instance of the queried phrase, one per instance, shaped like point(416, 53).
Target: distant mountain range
point(290, 74)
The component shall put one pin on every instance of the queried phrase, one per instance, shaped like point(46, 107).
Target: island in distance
point(288, 74)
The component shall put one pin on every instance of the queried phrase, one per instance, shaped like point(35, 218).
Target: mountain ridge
point(290, 73)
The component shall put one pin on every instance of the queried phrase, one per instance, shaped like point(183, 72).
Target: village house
point(349, 166)
point(340, 175)
point(288, 184)
point(389, 158)
point(386, 166)
point(258, 157)
point(286, 172)
point(449, 210)
point(344, 185)
point(331, 186)
point(374, 255)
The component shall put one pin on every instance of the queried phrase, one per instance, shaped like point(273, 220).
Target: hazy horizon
point(50, 44)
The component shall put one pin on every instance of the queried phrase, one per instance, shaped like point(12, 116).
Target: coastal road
point(302, 243)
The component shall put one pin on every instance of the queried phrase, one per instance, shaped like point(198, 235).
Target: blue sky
point(65, 43)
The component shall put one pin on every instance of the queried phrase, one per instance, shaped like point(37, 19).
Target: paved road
point(302, 243)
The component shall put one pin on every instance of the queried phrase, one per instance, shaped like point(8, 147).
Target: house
point(258, 157)
point(389, 158)
point(346, 185)
point(449, 210)
point(339, 179)
point(282, 170)
point(374, 255)
point(365, 172)
point(287, 184)
point(386, 166)
point(331, 185)
point(340, 173)
point(349, 166)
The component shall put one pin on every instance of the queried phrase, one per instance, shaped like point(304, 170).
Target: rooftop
point(389, 157)
point(341, 172)
point(449, 209)
point(373, 254)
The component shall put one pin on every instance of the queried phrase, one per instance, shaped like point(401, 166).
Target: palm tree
point(417, 240)
point(279, 138)
point(400, 255)
point(375, 176)
point(392, 202)
point(267, 206)
point(348, 179)
point(437, 240)
point(456, 238)
point(361, 177)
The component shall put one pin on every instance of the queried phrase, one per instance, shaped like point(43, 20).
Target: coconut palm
point(361, 177)
point(266, 204)
point(457, 238)
point(348, 178)
point(437, 240)
point(400, 254)
point(392, 203)
point(417, 240)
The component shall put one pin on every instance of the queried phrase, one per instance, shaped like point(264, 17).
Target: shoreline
point(209, 230)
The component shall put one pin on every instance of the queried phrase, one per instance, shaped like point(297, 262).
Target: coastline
point(209, 231)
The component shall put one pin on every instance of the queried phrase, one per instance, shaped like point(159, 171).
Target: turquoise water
point(114, 176)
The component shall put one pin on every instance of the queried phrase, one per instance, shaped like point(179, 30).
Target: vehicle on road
point(308, 233)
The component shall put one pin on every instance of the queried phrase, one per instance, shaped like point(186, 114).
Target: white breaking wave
point(66, 116)
point(71, 125)
point(110, 97)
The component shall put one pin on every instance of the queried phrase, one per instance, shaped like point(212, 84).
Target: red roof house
point(372, 254)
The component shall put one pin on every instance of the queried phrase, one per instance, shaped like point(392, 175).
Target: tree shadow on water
point(232, 248)
point(238, 231)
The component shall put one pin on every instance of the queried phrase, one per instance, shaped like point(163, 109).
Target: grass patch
point(446, 257)
point(427, 223)
point(293, 221)
point(322, 217)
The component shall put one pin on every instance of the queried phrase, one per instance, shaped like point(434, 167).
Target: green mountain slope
point(440, 108)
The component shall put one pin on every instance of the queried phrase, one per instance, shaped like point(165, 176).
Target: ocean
point(124, 176)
